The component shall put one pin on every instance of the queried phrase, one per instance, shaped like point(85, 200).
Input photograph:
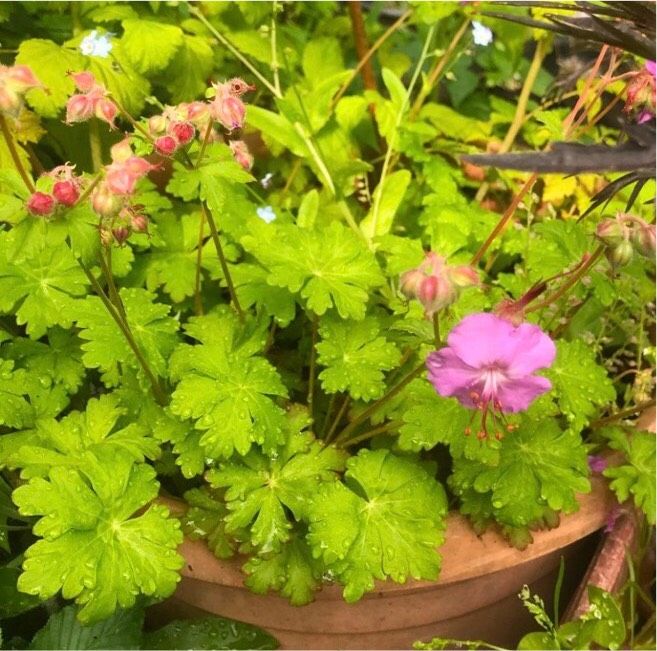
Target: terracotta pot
point(475, 597)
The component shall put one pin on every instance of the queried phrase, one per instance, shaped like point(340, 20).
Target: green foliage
point(386, 520)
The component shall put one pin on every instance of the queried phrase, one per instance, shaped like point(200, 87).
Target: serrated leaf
point(50, 63)
point(188, 71)
point(540, 466)
point(355, 355)
point(385, 203)
point(41, 288)
point(385, 521)
point(15, 410)
point(95, 551)
point(209, 633)
point(150, 45)
point(580, 383)
point(292, 571)
point(205, 519)
point(328, 268)
point(123, 82)
point(636, 477)
point(65, 442)
point(226, 388)
point(105, 345)
point(259, 488)
point(63, 631)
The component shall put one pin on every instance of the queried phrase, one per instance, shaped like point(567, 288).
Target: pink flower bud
point(40, 204)
point(166, 145)
point(84, 81)
point(121, 151)
point(229, 111)
point(463, 276)
point(238, 87)
point(428, 290)
point(621, 254)
point(183, 132)
point(10, 101)
point(139, 223)
point(21, 78)
point(197, 112)
point(106, 110)
point(643, 239)
point(79, 108)
point(411, 281)
point(119, 180)
point(105, 202)
point(241, 154)
point(157, 125)
point(121, 234)
point(138, 166)
point(611, 231)
point(66, 192)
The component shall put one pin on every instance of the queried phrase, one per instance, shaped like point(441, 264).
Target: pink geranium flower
point(489, 365)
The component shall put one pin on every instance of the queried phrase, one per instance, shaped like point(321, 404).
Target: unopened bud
point(119, 180)
point(182, 132)
point(138, 166)
point(21, 78)
point(241, 154)
point(197, 113)
point(105, 202)
point(106, 237)
point(66, 192)
point(463, 276)
point(620, 254)
point(157, 125)
point(229, 111)
point(611, 231)
point(10, 101)
point(79, 108)
point(121, 234)
point(238, 87)
point(139, 223)
point(411, 281)
point(643, 239)
point(121, 151)
point(84, 81)
point(106, 110)
point(40, 204)
point(166, 145)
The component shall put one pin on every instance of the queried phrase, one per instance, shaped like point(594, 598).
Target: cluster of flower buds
point(65, 192)
point(640, 93)
point(436, 284)
point(172, 130)
point(227, 107)
point(112, 198)
point(15, 81)
point(92, 101)
point(625, 234)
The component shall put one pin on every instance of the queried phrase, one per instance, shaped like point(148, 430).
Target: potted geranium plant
point(313, 375)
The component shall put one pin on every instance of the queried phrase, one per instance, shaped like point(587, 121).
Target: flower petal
point(451, 377)
point(529, 349)
point(517, 395)
point(482, 340)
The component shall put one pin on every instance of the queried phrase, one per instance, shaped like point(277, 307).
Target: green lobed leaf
point(15, 410)
point(150, 45)
point(189, 70)
point(355, 355)
point(386, 520)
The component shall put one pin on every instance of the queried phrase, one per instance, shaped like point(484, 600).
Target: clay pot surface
point(475, 596)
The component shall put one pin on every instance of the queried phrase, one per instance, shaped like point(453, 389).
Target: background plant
point(176, 322)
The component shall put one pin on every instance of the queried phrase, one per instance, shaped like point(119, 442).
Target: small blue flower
point(481, 34)
point(96, 45)
point(266, 213)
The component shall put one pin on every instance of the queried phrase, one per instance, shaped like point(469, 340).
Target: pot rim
point(465, 554)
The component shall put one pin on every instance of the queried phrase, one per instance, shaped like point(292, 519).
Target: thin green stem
point(125, 330)
point(204, 144)
point(274, 53)
point(311, 370)
point(395, 132)
point(377, 404)
point(540, 53)
point(222, 260)
point(95, 146)
point(622, 414)
point(436, 329)
point(327, 417)
point(225, 42)
point(106, 267)
point(198, 303)
point(382, 429)
point(337, 419)
point(90, 188)
point(13, 152)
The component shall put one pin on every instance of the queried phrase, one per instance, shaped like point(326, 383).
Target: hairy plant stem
point(504, 219)
point(95, 146)
point(274, 51)
point(521, 108)
point(436, 329)
point(621, 414)
point(13, 152)
point(337, 419)
point(204, 143)
point(195, 11)
point(395, 132)
point(377, 404)
point(158, 392)
point(106, 267)
point(436, 72)
point(90, 188)
point(365, 59)
point(198, 303)
point(311, 370)
point(207, 214)
point(570, 282)
point(135, 125)
point(327, 417)
point(382, 429)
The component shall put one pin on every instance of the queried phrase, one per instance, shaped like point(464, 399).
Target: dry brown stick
point(362, 46)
